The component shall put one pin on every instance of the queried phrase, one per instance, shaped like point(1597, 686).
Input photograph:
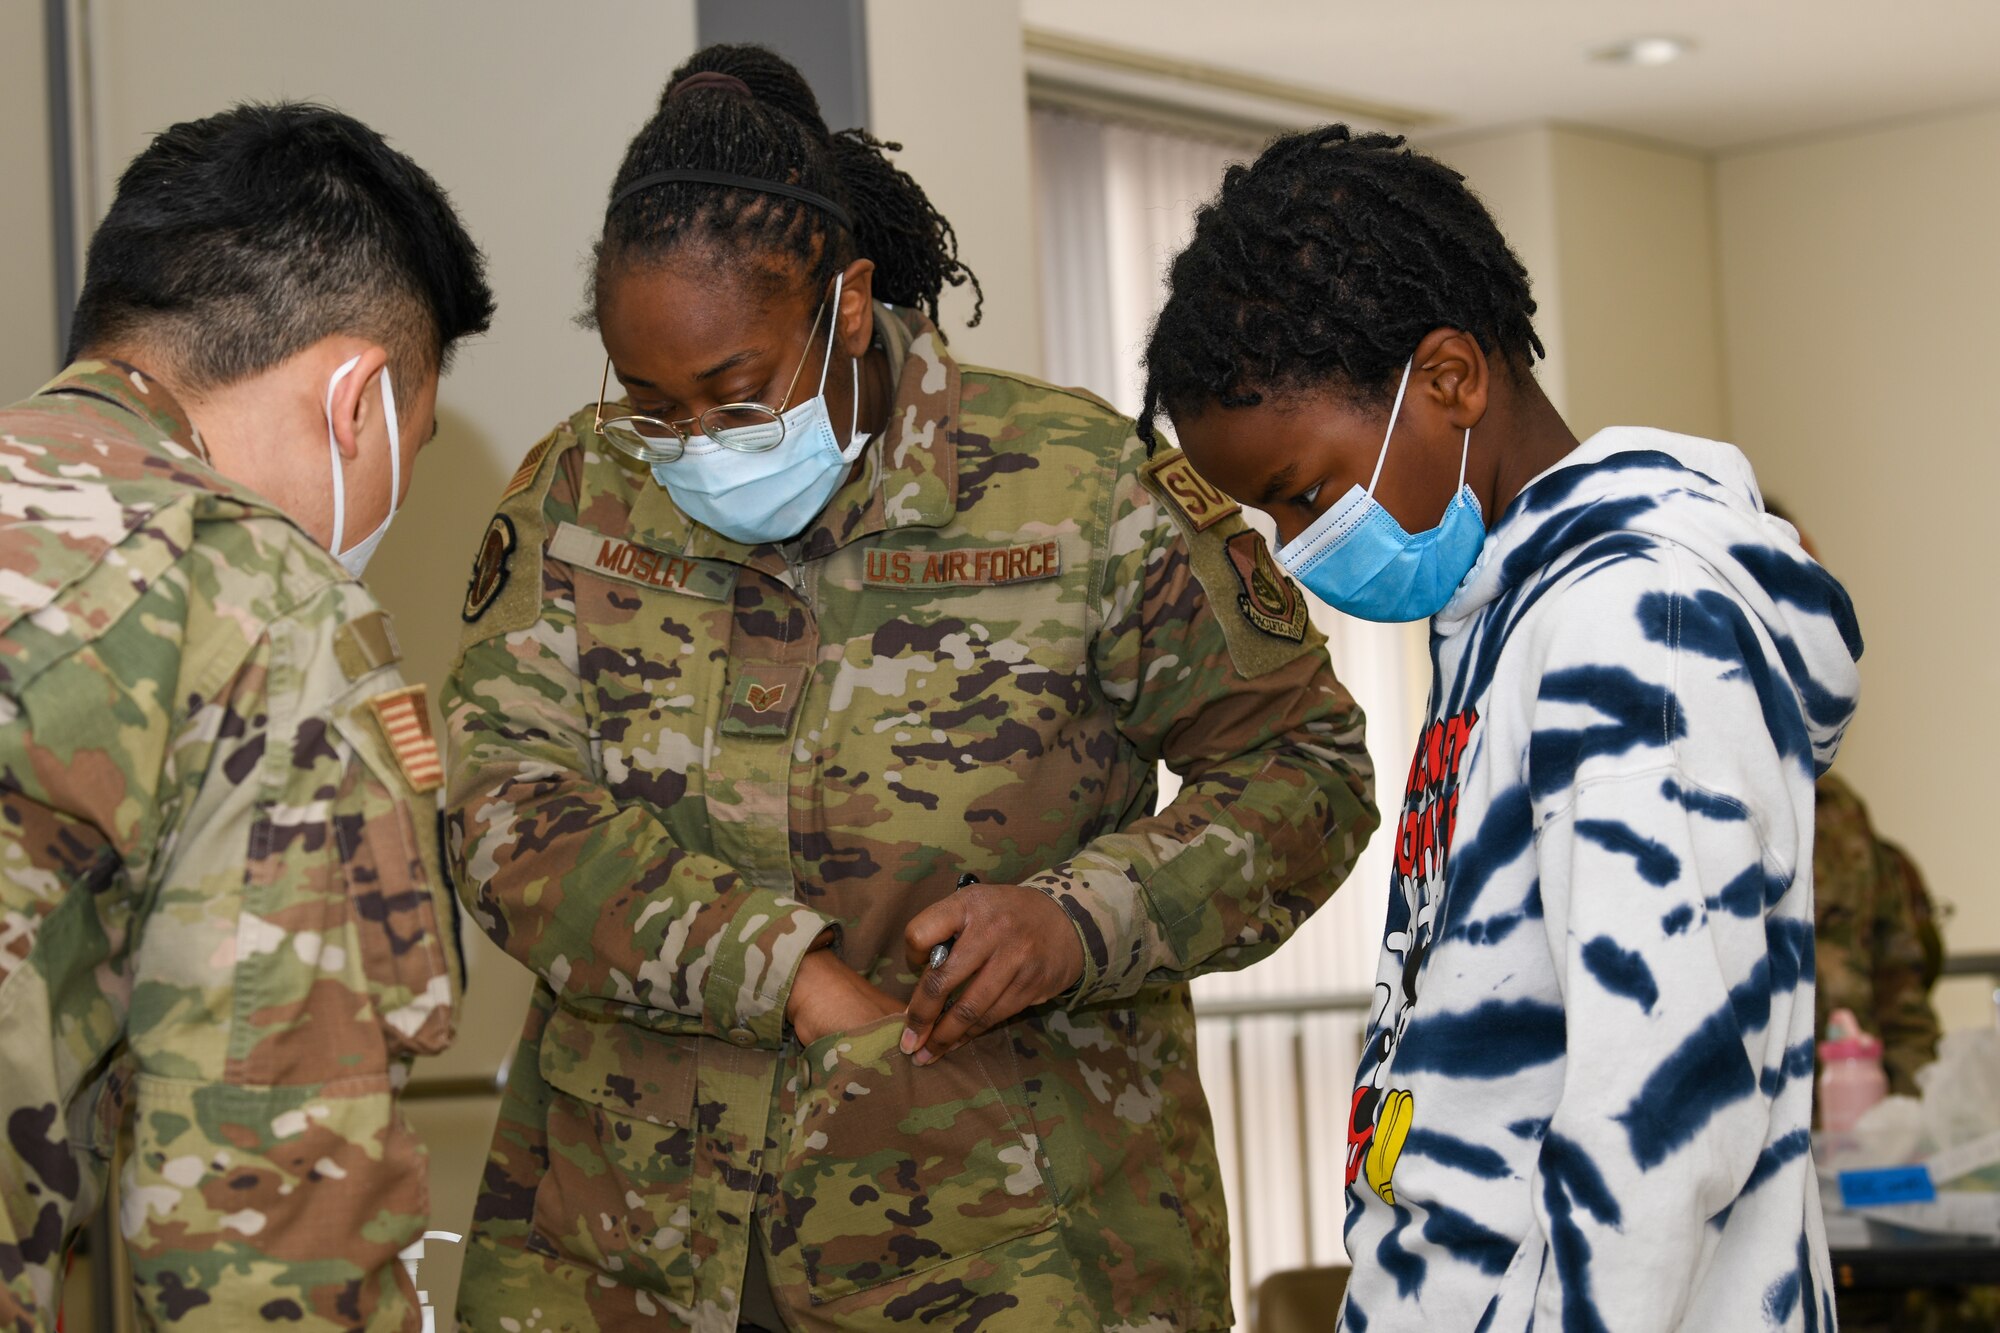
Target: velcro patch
point(406, 724)
point(964, 567)
point(1270, 601)
point(365, 645)
point(1262, 614)
point(489, 568)
point(763, 699)
point(1200, 504)
point(619, 559)
point(524, 475)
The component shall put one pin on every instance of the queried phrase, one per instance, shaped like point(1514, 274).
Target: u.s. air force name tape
point(961, 567)
point(617, 558)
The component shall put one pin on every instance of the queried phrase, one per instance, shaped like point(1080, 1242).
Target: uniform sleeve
point(1277, 796)
point(1871, 956)
point(1846, 887)
point(592, 894)
point(294, 958)
point(1909, 1026)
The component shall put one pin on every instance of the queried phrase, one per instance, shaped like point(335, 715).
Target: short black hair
point(237, 241)
point(775, 131)
point(1323, 264)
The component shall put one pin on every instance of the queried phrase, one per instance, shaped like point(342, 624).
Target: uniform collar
point(908, 474)
point(131, 389)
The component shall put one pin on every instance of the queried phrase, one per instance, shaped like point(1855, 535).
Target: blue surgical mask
point(774, 495)
point(1357, 557)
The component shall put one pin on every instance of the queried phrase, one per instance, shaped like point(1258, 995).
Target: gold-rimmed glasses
point(750, 428)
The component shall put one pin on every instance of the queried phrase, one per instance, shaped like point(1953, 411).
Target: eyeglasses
point(750, 428)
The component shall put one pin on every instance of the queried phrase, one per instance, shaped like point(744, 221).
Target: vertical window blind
point(1115, 202)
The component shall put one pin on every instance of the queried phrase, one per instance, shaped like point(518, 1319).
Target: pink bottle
point(1851, 1078)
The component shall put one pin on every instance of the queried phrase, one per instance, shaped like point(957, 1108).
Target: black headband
point(711, 78)
point(723, 178)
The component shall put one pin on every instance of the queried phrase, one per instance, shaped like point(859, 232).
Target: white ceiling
point(1761, 69)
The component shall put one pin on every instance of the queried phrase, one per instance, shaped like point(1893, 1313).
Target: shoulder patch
point(524, 476)
point(1270, 601)
point(1263, 615)
point(489, 568)
point(366, 644)
point(1174, 480)
point(504, 591)
point(405, 720)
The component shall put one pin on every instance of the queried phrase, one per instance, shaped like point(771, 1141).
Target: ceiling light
point(1655, 50)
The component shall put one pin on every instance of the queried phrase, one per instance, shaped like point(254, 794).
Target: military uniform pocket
point(617, 1196)
point(313, 1190)
point(890, 1170)
point(386, 837)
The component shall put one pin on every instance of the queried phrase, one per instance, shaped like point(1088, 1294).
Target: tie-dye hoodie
point(1586, 1090)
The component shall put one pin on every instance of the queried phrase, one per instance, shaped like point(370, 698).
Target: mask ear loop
point(1387, 435)
point(854, 440)
point(832, 332)
point(848, 452)
point(395, 430)
point(1465, 451)
point(851, 450)
point(333, 449)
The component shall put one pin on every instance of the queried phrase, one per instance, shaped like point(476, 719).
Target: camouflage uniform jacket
point(1871, 956)
point(675, 760)
point(220, 893)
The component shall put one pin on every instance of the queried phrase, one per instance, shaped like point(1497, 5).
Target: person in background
point(224, 924)
point(765, 657)
point(1879, 950)
point(1585, 1093)
point(1874, 958)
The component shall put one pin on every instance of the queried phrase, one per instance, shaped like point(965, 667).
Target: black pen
point(941, 953)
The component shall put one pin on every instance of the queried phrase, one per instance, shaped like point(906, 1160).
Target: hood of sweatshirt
point(1646, 487)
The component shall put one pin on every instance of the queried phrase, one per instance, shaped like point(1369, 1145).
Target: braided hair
point(755, 116)
point(1324, 263)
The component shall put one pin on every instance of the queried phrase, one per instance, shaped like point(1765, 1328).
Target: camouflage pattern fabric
point(1871, 954)
point(676, 760)
point(220, 891)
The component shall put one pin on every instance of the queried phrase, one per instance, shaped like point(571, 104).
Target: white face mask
point(355, 558)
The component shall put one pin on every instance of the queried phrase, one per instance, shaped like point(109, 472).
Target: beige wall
point(1636, 257)
point(28, 348)
point(1860, 281)
point(1514, 174)
point(955, 95)
point(1619, 245)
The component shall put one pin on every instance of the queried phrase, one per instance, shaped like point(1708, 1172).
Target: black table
point(1896, 1259)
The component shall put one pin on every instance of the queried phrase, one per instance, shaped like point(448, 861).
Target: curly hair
point(763, 121)
point(1324, 263)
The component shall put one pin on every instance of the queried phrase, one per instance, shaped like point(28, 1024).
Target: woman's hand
point(1011, 948)
point(828, 996)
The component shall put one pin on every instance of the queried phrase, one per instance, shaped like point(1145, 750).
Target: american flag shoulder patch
point(525, 474)
point(405, 720)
